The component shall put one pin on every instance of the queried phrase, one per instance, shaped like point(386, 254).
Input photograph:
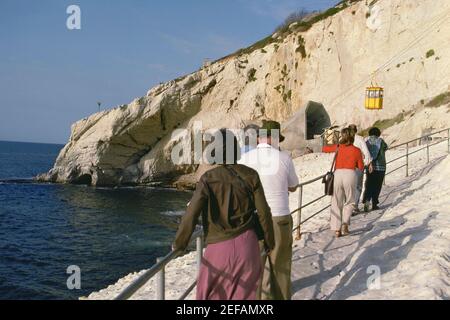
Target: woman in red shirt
point(349, 158)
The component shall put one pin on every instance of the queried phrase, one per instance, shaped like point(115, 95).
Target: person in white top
point(367, 158)
point(277, 174)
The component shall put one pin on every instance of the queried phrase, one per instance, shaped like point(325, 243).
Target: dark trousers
point(374, 183)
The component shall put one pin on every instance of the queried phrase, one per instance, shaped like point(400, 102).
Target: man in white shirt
point(361, 144)
point(277, 174)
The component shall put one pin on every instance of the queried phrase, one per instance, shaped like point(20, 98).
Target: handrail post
point(448, 140)
point(428, 149)
point(299, 213)
point(161, 283)
point(407, 159)
point(199, 253)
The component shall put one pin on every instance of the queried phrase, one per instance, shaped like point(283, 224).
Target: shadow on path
point(386, 253)
point(388, 249)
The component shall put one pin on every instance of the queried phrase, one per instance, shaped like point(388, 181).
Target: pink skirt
point(231, 269)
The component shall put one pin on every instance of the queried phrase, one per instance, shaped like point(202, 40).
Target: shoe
point(375, 207)
point(356, 212)
point(345, 231)
point(337, 234)
point(366, 206)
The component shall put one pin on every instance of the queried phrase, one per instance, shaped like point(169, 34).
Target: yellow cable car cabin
point(374, 98)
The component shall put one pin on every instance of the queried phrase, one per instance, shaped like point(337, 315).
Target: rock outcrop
point(329, 60)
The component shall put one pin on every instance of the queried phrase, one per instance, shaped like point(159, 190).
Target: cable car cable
point(417, 39)
point(363, 81)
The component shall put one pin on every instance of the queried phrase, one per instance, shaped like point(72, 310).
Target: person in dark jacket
point(230, 199)
point(377, 148)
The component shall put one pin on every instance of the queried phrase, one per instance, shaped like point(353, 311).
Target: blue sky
point(51, 77)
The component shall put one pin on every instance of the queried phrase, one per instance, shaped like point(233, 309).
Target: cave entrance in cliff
point(85, 179)
point(316, 119)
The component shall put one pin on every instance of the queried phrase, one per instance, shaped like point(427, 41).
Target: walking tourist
point(377, 147)
point(235, 215)
point(278, 177)
point(348, 159)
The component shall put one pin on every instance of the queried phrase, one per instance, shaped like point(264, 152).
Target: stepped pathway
point(320, 260)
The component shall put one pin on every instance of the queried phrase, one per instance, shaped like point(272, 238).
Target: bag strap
point(251, 195)
point(333, 165)
point(242, 181)
point(247, 189)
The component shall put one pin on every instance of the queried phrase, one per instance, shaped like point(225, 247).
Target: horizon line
point(33, 142)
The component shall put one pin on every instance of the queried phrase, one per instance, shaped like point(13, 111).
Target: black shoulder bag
point(328, 179)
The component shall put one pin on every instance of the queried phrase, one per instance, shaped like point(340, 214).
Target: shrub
point(301, 46)
point(387, 123)
point(191, 83)
point(430, 53)
point(383, 124)
point(304, 23)
point(258, 45)
point(328, 13)
point(284, 71)
point(251, 75)
point(278, 88)
point(439, 100)
point(296, 16)
point(142, 101)
point(301, 49)
point(287, 96)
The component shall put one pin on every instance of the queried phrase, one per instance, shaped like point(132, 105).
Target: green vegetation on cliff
point(300, 21)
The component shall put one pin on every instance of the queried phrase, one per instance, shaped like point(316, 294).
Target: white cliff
point(331, 61)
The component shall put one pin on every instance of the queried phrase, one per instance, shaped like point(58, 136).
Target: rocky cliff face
point(329, 61)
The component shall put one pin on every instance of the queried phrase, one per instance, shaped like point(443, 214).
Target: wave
point(173, 213)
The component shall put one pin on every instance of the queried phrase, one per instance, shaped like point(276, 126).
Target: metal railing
point(159, 268)
point(427, 148)
point(407, 154)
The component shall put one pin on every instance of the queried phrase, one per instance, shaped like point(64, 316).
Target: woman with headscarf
point(235, 214)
